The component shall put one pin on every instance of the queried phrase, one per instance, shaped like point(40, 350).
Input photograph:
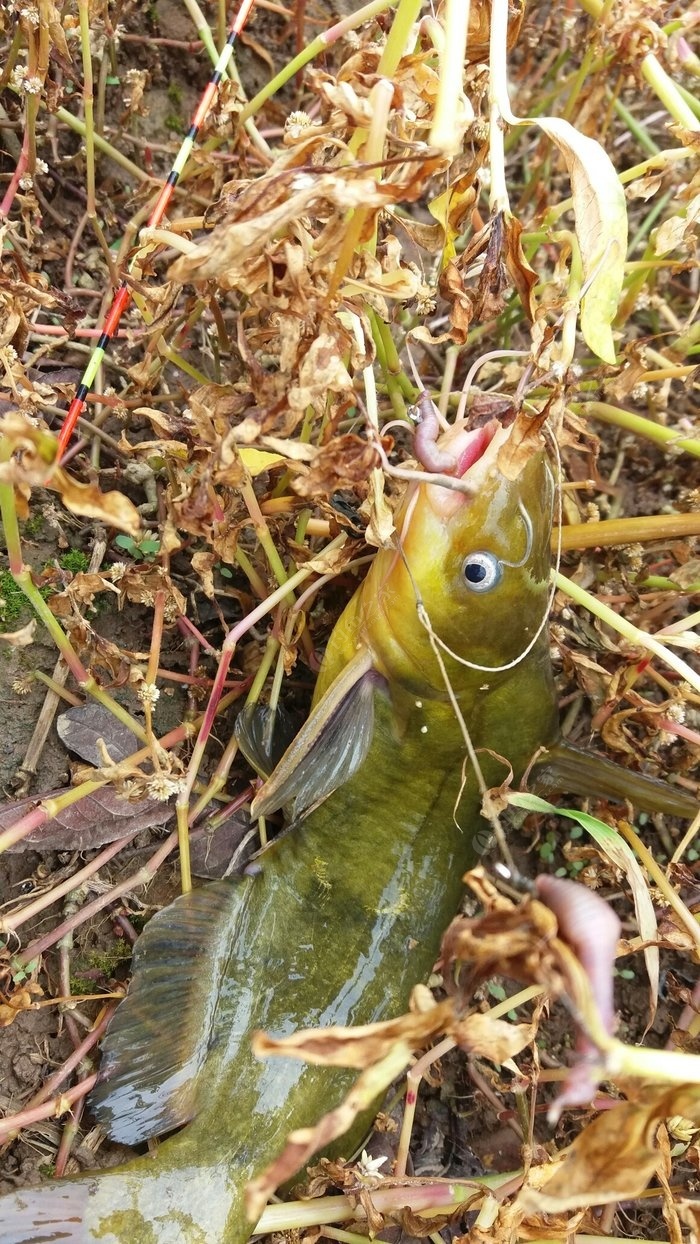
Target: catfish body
point(347, 911)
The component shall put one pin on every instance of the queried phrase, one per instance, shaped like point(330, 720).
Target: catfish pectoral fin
point(159, 1039)
point(263, 735)
point(330, 746)
point(565, 768)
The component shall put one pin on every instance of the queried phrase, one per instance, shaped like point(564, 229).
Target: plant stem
point(632, 634)
point(446, 130)
point(614, 532)
point(317, 45)
point(615, 415)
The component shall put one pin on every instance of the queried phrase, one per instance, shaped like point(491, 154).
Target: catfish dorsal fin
point(567, 768)
point(158, 1040)
point(330, 746)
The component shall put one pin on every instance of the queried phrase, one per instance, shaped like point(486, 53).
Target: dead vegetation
point(370, 219)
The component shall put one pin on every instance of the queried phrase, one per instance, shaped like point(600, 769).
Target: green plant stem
point(686, 343)
point(11, 57)
point(649, 221)
point(663, 437)
point(691, 101)
point(78, 126)
point(663, 86)
point(380, 97)
point(636, 128)
point(446, 130)
point(615, 532)
point(88, 105)
point(313, 49)
point(640, 639)
point(300, 1215)
point(390, 364)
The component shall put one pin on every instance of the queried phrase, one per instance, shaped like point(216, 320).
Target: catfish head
point(476, 556)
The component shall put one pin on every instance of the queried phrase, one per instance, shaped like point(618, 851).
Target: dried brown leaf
point(227, 252)
point(357, 1047)
point(15, 1004)
point(524, 441)
point(112, 508)
point(22, 638)
point(614, 1158)
point(345, 462)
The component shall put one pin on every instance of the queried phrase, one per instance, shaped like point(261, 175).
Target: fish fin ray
point(157, 1043)
point(263, 735)
point(330, 746)
point(564, 767)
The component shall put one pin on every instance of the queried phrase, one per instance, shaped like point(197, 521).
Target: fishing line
point(529, 539)
point(123, 295)
point(497, 669)
point(472, 754)
point(475, 367)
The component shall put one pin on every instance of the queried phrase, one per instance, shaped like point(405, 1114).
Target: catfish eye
point(482, 571)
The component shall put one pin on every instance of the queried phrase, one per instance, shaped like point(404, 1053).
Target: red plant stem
point(49, 1109)
point(189, 630)
point(39, 816)
point(68, 1136)
point(677, 728)
point(137, 879)
point(11, 922)
point(64, 988)
point(54, 1082)
point(57, 330)
point(20, 170)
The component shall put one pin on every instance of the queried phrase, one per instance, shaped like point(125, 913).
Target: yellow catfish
point(342, 915)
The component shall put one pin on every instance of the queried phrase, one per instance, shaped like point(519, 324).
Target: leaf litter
point(241, 387)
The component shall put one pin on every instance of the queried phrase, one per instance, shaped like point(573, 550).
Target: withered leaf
point(21, 1000)
point(344, 462)
point(357, 1047)
point(80, 727)
point(614, 1158)
point(305, 1142)
point(92, 822)
point(22, 638)
point(228, 250)
point(521, 273)
point(524, 441)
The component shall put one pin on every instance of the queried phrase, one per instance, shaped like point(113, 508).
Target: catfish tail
point(565, 768)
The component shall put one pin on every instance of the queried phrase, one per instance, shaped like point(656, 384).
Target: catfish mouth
point(474, 447)
point(472, 457)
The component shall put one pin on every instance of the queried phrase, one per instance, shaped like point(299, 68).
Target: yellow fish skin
point(344, 913)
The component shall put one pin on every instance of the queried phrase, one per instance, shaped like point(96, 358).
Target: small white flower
point(370, 1166)
point(162, 787)
point(148, 693)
